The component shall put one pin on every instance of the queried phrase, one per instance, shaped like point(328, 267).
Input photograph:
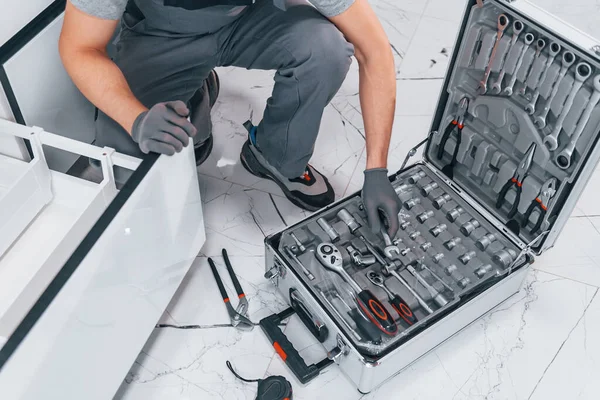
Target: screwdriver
point(331, 258)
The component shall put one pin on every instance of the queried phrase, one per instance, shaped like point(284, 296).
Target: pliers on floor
point(517, 181)
point(458, 123)
point(238, 317)
point(541, 202)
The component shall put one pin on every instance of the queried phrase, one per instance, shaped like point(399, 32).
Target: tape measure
point(272, 388)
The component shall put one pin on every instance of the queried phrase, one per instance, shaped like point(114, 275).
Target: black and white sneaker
point(311, 191)
point(204, 146)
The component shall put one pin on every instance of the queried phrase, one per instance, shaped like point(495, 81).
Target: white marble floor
point(540, 344)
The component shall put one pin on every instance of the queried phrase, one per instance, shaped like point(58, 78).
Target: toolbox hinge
point(414, 150)
point(596, 49)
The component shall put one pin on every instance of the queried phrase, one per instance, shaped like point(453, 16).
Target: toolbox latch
point(274, 273)
point(339, 351)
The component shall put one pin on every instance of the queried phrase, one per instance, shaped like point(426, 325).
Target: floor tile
point(582, 14)
point(417, 97)
point(190, 364)
point(430, 49)
point(448, 10)
point(573, 373)
point(239, 218)
point(504, 354)
point(588, 202)
point(575, 254)
point(198, 301)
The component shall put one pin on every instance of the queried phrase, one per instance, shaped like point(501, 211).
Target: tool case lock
point(517, 123)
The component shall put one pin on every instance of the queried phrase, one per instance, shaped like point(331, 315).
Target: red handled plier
point(517, 181)
point(458, 123)
point(541, 202)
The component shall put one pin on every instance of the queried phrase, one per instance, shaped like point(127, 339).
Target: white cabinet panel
point(46, 95)
point(14, 15)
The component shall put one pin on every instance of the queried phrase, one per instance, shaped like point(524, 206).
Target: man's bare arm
point(361, 27)
point(82, 47)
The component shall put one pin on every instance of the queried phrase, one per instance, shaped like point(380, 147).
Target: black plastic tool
point(271, 388)
point(457, 123)
point(331, 258)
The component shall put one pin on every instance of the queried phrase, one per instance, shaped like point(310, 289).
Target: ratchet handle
point(234, 279)
point(403, 310)
point(219, 281)
point(376, 312)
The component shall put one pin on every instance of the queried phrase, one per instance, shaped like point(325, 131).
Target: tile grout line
point(364, 149)
point(565, 277)
point(563, 344)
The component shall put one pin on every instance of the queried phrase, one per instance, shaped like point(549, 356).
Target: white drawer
point(91, 272)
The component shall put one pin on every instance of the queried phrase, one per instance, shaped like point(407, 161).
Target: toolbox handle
point(287, 351)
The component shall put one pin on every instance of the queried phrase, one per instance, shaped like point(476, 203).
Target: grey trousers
point(309, 53)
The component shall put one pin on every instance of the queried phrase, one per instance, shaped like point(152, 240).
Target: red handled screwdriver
point(396, 301)
point(331, 258)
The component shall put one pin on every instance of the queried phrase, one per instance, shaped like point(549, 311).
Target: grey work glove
point(164, 128)
point(380, 201)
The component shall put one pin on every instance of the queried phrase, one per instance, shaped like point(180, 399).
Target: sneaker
point(212, 85)
point(311, 191)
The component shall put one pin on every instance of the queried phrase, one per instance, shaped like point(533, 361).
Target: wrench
point(582, 72)
point(518, 27)
point(563, 159)
point(554, 50)
point(528, 39)
point(568, 59)
point(539, 47)
point(502, 24)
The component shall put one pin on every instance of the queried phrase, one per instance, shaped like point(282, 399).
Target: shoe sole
point(259, 171)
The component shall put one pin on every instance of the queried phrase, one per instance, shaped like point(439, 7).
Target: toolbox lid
point(519, 160)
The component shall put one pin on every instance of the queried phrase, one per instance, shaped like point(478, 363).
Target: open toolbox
point(511, 147)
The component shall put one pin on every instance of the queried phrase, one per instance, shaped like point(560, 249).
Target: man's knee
point(324, 51)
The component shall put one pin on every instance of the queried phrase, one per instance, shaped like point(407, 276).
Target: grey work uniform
point(167, 48)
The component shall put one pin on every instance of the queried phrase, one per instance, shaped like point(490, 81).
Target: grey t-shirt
point(113, 9)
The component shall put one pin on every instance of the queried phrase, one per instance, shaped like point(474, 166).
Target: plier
point(457, 122)
point(238, 316)
point(541, 202)
point(517, 181)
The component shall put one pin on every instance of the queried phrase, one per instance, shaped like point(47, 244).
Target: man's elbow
point(380, 53)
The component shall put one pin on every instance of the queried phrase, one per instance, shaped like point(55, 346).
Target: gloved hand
point(380, 201)
point(164, 128)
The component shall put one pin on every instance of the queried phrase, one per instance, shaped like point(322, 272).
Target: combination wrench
point(502, 24)
point(563, 159)
point(517, 28)
point(555, 49)
point(568, 59)
point(539, 47)
point(582, 72)
point(527, 40)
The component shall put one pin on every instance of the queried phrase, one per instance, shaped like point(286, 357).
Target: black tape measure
point(272, 388)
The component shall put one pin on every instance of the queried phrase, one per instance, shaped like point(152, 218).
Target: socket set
point(511, 147)
point(382, 287)
point(522, 115)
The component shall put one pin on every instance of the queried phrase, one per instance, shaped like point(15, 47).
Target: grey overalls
point(167, 48)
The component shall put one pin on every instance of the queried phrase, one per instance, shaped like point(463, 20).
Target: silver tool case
point(511, 147)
